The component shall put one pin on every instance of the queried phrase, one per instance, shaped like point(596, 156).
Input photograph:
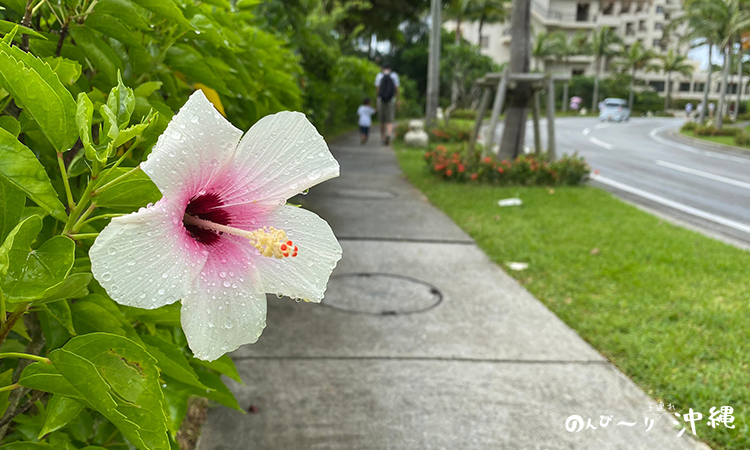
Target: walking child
point(365, 112)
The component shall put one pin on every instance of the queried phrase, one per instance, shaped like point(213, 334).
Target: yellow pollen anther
point(273, 243)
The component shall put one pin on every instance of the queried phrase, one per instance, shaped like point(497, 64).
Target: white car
point(615, 109)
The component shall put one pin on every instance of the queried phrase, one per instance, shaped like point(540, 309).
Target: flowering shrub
point(136, 244)
point(453, 132)
point(709, 130)
point(525, 170)
point(689, 126)
point(469, 114)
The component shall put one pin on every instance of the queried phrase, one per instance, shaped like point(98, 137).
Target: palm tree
point(543, 45)
point(673, 62)
point(487, 11)
point(565, 48)
point(604, 44)
point(634, 59)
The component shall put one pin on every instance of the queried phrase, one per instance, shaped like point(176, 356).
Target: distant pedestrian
point(387, 83)
point(365, 112)
point(689, 110)
point(711, 107)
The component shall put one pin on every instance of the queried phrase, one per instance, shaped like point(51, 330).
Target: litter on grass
point(510, 202)
point(518, 265)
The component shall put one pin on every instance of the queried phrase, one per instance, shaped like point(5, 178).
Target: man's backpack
point(387, 88)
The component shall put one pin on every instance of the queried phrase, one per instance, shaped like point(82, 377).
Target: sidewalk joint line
point(407, 240)
point(422, 358)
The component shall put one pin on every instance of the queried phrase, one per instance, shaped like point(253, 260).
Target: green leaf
point(60, 411)
point(121, 101)
point(133, 191)
point(172, 361)
point(12, 203)
point(101, 55)
point(218, 391)
point(74, 286)
point(32, 273)
point(19, 166)
point(166, 315)
point(6, 27)
point(89, 317)
point(45, 377)
point(165, 8)
point(223, 365)
point(84, 121)
point(66, 69)
point(109, 130)
point(61, 312)
point(147, 88)
point(126, 11)
point(38, 90)
point(113, 27)
point(190, 62)
point(6, 378)
point(110, 310)
point(27, 446)
point(20, 237)
point(11, 125)
point(120, 380)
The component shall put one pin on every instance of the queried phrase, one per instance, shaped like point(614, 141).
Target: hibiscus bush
point(455, 131)
point(114, 208)
point(458, 164)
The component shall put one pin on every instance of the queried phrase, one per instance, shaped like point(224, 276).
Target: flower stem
point(81, 236)
point(10, 387)
point(76, 213)
point(81, 220)
point(25, 356)
point(99, 217)
point(64, 173)
point(2, 307)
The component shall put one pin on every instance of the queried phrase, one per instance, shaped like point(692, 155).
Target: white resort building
point(632, 21)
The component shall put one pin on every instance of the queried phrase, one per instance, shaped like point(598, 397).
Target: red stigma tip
point(289, 243)
point(283, 247)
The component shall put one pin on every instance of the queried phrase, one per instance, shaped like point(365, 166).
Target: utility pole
point(518, 100)
point(433, 63)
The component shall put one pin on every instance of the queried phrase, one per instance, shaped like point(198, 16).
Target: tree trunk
point(667, 91)
point(739, 83)
point(479, 33)
point(707, 87)
point(520, 51)
point(565, 97)
point(454, 84)
point(630, 95)
point(723, 90)
point(433, 63)
point(595, 98)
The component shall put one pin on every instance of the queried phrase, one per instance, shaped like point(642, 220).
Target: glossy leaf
point(6, 378)
point(27, 446)
point(98, 52)
point(12, 203)
point(38, 90)
point(66, 69)
point(224, 365)
point(121, 101)
point(32, 272)
point(74, 286)
point(165, 8)
point(172, 361)
point(19, 166)
point(19, 238)
point(120, 380)
point(190, 62)
point(60, 411)
point(11, 125)
point(134, 191)
point(45, 377)
point(6, 27)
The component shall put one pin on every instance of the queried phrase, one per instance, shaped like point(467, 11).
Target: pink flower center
point(207, 207)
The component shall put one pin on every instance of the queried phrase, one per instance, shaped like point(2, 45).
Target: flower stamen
point(269, 241)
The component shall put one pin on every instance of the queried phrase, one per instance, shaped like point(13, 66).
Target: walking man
point(388, 97)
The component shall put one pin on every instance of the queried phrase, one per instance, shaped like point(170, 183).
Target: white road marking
point(600, 126)
point(653, 133)
point(596, 141)
point(700, 173)
point(587, 131)
point(672, 204)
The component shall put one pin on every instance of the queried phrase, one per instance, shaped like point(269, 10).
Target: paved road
point(638, 161)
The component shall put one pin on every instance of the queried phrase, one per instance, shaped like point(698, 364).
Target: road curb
point(705, 145)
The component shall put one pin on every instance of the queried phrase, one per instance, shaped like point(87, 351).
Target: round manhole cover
point(366, 194)
point(380, 294)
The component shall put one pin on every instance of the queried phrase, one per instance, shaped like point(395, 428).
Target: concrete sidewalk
point(421, 342)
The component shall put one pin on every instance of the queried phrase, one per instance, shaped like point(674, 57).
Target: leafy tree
point(543, 45)
point(488, 11)
point(563, 49)
point(673, 62)
point(604, 43)
point(635, 59)
point(464, 64)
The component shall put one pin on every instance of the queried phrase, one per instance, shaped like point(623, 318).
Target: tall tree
point(604, 44)
point(671, 63)
point(458, 10)
point(564, 49)
point(543, 46)
point(637, 58)
point(488, 11)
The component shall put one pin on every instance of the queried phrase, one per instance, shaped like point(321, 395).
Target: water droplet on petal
point(106, 276)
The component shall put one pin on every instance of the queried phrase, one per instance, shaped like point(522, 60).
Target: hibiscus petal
point(146, 259)
point(224, 307)
point(306, 275)
point(282, 155)
point(196, 145)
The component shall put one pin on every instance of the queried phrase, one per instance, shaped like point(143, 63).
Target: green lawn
point(726, 140)
point(668, 306)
